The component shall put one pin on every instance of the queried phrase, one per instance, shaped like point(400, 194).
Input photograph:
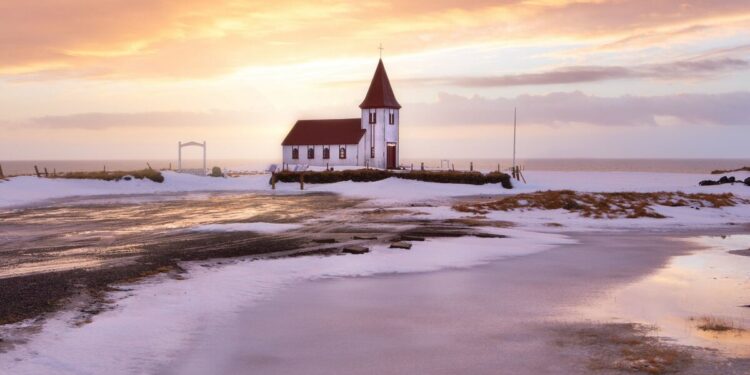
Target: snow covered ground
point(19, 191)
point(154, 320)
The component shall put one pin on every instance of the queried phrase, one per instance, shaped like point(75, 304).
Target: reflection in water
point(708, 283)
point(96, 232)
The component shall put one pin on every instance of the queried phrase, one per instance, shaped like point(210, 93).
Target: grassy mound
point(150, 174)
point(369, 175)
point(602, 205)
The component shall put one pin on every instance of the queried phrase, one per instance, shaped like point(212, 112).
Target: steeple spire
point(380, 94)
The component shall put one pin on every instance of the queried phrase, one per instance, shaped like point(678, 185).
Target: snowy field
point(26, 190)
point(153, 320)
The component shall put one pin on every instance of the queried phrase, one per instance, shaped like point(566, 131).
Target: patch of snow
point(26, 190)
point(246, 227)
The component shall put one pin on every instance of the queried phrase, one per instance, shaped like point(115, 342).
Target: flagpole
point(514, 139)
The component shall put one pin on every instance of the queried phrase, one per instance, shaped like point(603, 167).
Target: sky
point(128, 79)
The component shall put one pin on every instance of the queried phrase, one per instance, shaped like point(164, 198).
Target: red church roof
point(380, 94)
point(325, 132)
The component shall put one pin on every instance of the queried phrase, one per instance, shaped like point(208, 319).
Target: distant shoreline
point(671, 165)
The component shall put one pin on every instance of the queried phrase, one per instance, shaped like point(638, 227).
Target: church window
point(342, 152)
point(372, 152)
point(391, 117)
point(326, 152)
point(311, 153)
point(373, 117)
point(295, 153)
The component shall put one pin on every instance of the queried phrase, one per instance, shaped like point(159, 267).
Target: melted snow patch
point(258, 227)
point(158, 318)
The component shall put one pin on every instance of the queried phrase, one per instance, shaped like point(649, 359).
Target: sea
point(26, 167)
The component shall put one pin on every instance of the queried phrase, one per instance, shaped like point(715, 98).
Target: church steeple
point(380, 94)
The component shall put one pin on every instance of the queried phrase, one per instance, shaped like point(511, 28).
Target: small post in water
point(302, 181)
point(1, 172)
point(273, 180)
point(46, 174)
point(36, 169)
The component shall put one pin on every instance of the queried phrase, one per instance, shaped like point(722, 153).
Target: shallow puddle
point(711, 284)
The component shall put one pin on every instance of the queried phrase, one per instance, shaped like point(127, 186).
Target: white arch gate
point(180, 145)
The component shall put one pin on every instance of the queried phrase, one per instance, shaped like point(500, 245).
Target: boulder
point(401, 245)
point(708, 183)
point(406, 237)
point(747, 181)
point(354, 249)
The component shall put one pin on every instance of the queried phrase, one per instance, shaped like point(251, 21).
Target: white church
point(368, 141)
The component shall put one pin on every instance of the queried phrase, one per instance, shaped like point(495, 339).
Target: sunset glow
point(84, 79)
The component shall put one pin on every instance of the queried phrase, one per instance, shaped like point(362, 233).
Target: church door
point(391, 154)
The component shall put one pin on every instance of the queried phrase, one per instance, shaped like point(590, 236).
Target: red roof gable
point(325, 132)
point(380, 94)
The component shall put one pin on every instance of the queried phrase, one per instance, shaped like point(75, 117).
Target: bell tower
point(380, 119)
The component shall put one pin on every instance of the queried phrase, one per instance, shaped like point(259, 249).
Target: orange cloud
point(198, 38)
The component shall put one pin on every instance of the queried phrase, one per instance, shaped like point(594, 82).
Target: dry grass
point(150, 174)
point(722, 171)
point(627, 347)
point(716, 324)
point(602, 205)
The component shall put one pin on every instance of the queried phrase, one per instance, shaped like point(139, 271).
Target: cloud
point(728, 109)
point(203, 38)
point(165, 119)
point(556, 109)
point(687, 69)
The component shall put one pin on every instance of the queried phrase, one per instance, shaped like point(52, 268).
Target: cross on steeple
point(381, 50)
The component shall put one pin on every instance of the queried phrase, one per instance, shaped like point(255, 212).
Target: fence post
point(273, 180)
point(422, 166)
point(471, 166)
point(46, 174)
point(105, 169)
point(1, 172)
point(302, 181)
point(36, 169)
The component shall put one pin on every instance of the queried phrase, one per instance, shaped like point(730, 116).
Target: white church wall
point(318, 160)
